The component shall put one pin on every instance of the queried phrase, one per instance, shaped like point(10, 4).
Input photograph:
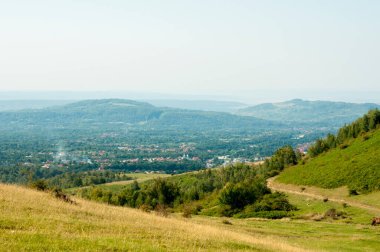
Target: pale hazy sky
point(234, 47)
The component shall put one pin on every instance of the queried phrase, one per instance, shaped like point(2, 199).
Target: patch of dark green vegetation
point(239, 190)
point(41, 185)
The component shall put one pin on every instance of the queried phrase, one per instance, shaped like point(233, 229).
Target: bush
point(282, 158)
point(239, 195)
point(273, 173)
point(352, 192)
point(334, 214)
point(343, 146)
point(145, 208)
point(161, 210)
point(40, 185)
point(187, 211)
point(273, 202)
point(58, 193)
point(366, 137)
point(226, 210)
point(227, 222)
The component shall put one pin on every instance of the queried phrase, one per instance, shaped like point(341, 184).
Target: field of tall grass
point(32, 220)
point(37, 221)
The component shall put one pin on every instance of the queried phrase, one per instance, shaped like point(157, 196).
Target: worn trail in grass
point(339, 195)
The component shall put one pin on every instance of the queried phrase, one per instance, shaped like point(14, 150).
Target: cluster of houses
point(103, 158)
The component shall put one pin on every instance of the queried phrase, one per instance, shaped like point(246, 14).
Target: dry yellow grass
point(32, 220)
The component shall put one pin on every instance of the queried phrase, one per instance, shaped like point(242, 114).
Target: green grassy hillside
point(356, 166)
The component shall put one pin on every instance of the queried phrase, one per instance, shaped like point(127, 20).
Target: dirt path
point(276, 186)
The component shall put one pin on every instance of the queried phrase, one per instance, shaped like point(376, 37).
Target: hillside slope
point(32, 220)
point(357, 166)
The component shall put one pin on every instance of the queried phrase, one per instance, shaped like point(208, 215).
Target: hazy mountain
point(297, 110)
point(205, 105)
point(103, 113)
point(12, 105)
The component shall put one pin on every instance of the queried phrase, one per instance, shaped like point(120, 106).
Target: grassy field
point(140, 177)
point(32, 220)
point(369, 201)
point(357, 166)
point(119, 185)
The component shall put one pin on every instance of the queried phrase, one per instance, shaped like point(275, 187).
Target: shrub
point(273, 202)
point(343, 146)
point(58, 193)
point(227, 222)
point(145, 208)
point(352, 192)
point(282, 158)
point(197, 209)
point(161, 210)
point(163, 191)
point(40, 185)
point(334, 214)
point(187, 211)
point(273, 173)
point(366, 137)
point(226, 210)
point(237, 196)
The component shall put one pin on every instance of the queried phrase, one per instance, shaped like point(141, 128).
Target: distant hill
point(103, 113)
point(13, 105)
point(205, 105)
point(356, 166)
point(297, 110)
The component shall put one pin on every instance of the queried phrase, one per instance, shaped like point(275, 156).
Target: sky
point(249, 50)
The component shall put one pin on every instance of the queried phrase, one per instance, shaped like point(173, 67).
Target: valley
point(175, 126)
point(137, 185)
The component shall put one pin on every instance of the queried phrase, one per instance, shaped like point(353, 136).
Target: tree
point(239, 195)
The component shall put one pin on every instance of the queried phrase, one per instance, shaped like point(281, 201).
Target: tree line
point(238, 190)
point(366, 123)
